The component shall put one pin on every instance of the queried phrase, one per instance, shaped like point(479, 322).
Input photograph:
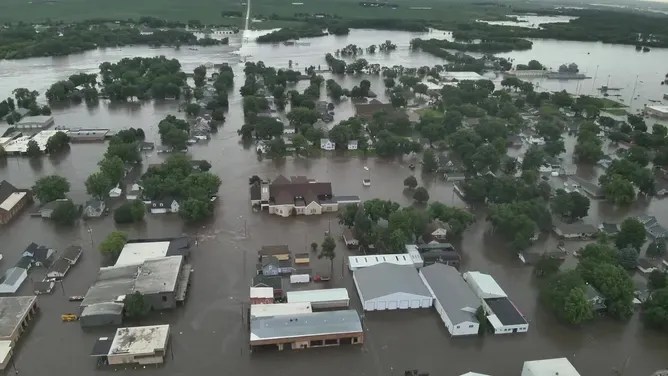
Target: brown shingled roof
point(284, 191)
point(366, 110)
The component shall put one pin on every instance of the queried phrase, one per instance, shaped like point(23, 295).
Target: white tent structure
point(389, 287)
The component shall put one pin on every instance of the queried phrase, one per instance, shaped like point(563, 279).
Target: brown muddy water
point(208, 334)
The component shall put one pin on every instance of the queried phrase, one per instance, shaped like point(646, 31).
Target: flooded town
point(251, 245)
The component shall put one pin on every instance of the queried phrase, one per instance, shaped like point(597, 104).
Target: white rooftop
point(317, 296)
point(485, 283)
point(137, 253)
point(549, 367)
point(9, 203)
point(261, 292)
point(5, 351)
point(473, 374)
point(279, 309)
point(21, 144)
point(461, 76)
point(140, 340)
point(356, 262)
point(663, 109)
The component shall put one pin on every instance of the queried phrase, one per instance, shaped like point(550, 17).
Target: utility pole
point(62, 287)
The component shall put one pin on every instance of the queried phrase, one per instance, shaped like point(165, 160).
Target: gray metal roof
point(12, 280)
point(451, 291)
point(111, 283)
point(386, 279)
point(103, 309)
point(305, 325)
point(158, 275)
point(12, 311)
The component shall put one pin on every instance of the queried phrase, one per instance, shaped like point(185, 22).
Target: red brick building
point(12, 201)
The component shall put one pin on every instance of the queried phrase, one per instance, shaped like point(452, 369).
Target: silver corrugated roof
point(385, 279)
point(304, 325)
point(451, 291)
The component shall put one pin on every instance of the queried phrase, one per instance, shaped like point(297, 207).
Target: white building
point(141, 345)
point(540, 141)
point(389, 287)
point(501, 312)
point(167, 205)
point(279, 309)
point(321, 299)
point(454, 300)
point(327, 144)
point(402, 259)
point(483, 285)
point(353, 144)
point(462, 76)
point(20, 145)
point(137, 253)
point(549, 367)
point(657, 111)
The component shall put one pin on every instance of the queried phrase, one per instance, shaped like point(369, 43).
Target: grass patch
point(429, 112)
point(616, 111)
point(609, 103)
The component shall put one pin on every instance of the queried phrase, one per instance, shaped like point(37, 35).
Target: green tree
point(588, 151)
point(657, 279)
point(638, 155)
point(628, 258)
point(429, 161)
point(411, 182)
point(57, 143)
point(50, 188)
point(300, 144)
point(327, 251)
point(193, 109)
point(127, 152)
point(619, 190)
point(33, 149)
point(631, 234)
point(277, 148)
point(577, 308)
point(113, 244)
point(563, 293)
point(347, 216)
point(203, 166)
point(421, 195)
point(547, 266)
point(655, 310)
point(616, 286)
point(136, 307)
point(195, 209)
point(98, 185)
point(65, 213)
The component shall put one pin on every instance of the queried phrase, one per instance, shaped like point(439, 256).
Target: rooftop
point(140, 340)
point(112, 284)
point(356, 262)
point(315, 296)
point(461, 76)
point(21, 144)
point(103, 309)
point(279, 309)
point(12, 200)
point(386, 279)
point(453, 293)
point(158, 275)
point(305, 325)
point(550, 367)
point(12, 311)
point(6, 190)
point(486, 283)
point(136, 253)
point(12, 280)
point(35, 119)
point(505, 311)
point(261, 292)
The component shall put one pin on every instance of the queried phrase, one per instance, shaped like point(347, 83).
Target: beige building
point(17, 311)
point(135, 345)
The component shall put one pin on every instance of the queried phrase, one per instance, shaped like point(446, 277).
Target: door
point(369, 306)
point(392, 305)
point(381, 306)
point(415, 303)
point(403, 304)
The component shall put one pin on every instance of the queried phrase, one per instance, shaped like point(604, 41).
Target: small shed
point(261, 295)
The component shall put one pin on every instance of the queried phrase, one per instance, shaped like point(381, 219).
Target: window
point(457, 326)
point(470, 326)
point(164, 298)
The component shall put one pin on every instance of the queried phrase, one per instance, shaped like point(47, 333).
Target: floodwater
point(208, 334)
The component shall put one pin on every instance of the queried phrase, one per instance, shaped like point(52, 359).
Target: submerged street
point(208, 334)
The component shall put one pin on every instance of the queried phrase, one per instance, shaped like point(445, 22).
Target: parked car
point(76, 298)
point(321, 278)
point(69, 317)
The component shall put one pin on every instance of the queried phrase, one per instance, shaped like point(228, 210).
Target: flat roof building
point(35, 122)
point(20, 145)
point(321, 299)
point(549, 367)
point(462, 76)
point(15, 315)
point(454, 300)
point(657, 111)
point(484, 285)
point(102, 314)
point(279, 309)
point(389, 287)
point(358, 262)
point(299, 331)
point(138, 345)
point(261, 295)
point(139, 250)
point(504, 316)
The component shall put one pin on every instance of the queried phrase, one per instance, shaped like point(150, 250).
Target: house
point(576, 230)
point(327, 144)
point(389, 287)
point(115, 192)
point(530, 257)
point(165, 205)
point(280, 252)
point(302, 258)
point(12, 201)
point(441, 256)
point(595, 298)
point(146, 146)
point(549, 367)
point(58, 269)
point(271, 266)
point(653, 228)
point(47, 209)
point(353, 144)
point(454, 300)
point(276, 283)
point(514, 141)
point(436, 231)
point(261, 295)
point(142, 345)
point(94, 208)
point(454, 176)
point(298, 196)
point(591, 189)
point(12, 280)
point(609, 228)
point(661, 187)
point(399, 259)
point(133, 192)
point(367, 110)
point(349, 239)
point(539, 141)
point(39, 255)
point(500, 311)
point(645, 266)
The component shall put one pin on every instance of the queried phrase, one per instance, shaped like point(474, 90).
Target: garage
point(388, 287)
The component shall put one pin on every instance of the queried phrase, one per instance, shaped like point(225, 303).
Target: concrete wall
point(160, 301)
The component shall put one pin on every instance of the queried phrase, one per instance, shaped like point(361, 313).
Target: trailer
point(300, 278)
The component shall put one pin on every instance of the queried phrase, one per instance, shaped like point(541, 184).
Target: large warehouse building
point(549, 367)
point(321, 299)
point(389, 287)
point(300, 331)
point(136, 345)
point(454, 300)
point(502, 314)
